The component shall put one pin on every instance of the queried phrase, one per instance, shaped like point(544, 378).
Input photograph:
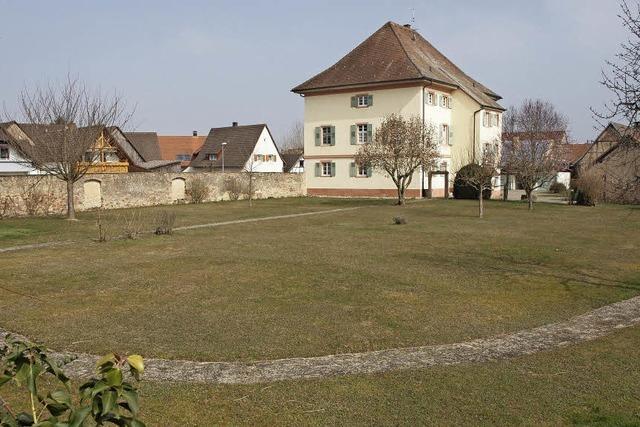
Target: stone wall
point(19, 194)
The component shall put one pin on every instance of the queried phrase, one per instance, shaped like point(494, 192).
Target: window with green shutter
point(353, 134)
point(370, 100)
point(354, 101)
point(318, 168)
point(369, 132)
point(352, 169)
point(328, 135)
point(333, 169)
point(362, 101)
point(333, 135)
point(318, 134)
point(369, 171)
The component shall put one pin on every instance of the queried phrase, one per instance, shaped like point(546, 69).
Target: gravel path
point(586, 327)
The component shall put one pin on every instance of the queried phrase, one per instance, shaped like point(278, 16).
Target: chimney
point(234, 124)
point(195, 133)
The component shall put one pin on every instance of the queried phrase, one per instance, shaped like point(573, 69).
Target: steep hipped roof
point(145, 143)
point(241, 140)
point(396, 53)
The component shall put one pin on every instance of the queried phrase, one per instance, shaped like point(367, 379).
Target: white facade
point(265, 156)
point(11, 163)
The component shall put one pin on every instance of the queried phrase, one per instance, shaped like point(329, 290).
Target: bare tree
point(249, 171)
point(479, 175)
point(63, 125)
point(534, 144)
point(622, 79)
point(294, 138)
point(399, 147)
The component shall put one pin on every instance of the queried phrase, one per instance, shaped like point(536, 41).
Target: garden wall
point(38, 195)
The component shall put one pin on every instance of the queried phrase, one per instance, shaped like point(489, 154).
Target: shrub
point(533, 197)
point(399, 220)
point(7, 207)
point(589, 188)
point(234, 186)
point(107, 398)
point(198, 190)
point(462, 190)
point(37, 202)
point(131, 224)
point(558, 188)
point(165, 222)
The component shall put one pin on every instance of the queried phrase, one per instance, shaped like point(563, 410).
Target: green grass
point(590, 384)
point(348, 281)
point(342, 282)
point(594, 384)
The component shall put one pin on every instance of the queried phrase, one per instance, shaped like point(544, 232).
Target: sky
point(194, 65)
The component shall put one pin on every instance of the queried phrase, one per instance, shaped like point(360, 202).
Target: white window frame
point(325, 169)
point(361, 170)
point(325, 135)
point(212, 157)
point(431, 96)
point(444, 129)
point(362, 101)
point(362, 133)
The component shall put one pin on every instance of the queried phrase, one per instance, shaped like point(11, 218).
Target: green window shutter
point(370, 100)
point(318, 166)
point(450, 136)
point(333, 135)
point(369, 132)
point(333, 169)
point(352, 170)
point(318, 136)
point(353, 134)
point(369, 171)
point(354, 102)
point(451, 102)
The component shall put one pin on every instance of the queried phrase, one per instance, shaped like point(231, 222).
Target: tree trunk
point(505, 192)
point(530, 198)
point(400, 195)
point(71, 208)
point(480, 205)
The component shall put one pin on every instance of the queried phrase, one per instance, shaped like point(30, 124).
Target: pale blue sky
point(200, 64)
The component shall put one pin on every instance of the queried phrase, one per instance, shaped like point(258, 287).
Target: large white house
point(397, 71)
point(237, 148)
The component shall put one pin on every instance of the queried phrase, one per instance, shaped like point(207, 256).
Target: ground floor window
point(362, 170)
point(326, 168)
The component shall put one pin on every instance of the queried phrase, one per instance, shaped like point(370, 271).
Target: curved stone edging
point(585, 327)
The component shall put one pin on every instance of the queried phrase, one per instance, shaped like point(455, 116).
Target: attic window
point(4, 151)
point(212, 157)
point(363, 101)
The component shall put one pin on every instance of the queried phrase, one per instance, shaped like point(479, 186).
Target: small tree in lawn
point(532, 150)
point(479, 175)
point(65, 122)
point(249, 171)
point(399, 147)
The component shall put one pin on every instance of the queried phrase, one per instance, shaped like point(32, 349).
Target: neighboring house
point(11, 163)
point(572, 153)
point(180, 148)
point(293, 161)
point(169, 148)
point(393, 71)
point(237, 148)
point(615, 156)
point(111, 153)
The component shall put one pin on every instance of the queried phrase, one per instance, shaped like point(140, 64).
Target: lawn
point(342, 282)
point(305, 286)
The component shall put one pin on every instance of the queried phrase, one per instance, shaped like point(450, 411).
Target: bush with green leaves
point(106, 399)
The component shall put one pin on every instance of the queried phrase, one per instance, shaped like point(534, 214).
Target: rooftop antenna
point(413, 23)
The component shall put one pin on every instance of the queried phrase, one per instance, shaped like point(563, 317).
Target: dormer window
point(361, 101)
point(212, 157)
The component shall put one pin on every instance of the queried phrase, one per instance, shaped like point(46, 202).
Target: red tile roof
point(173, 146)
